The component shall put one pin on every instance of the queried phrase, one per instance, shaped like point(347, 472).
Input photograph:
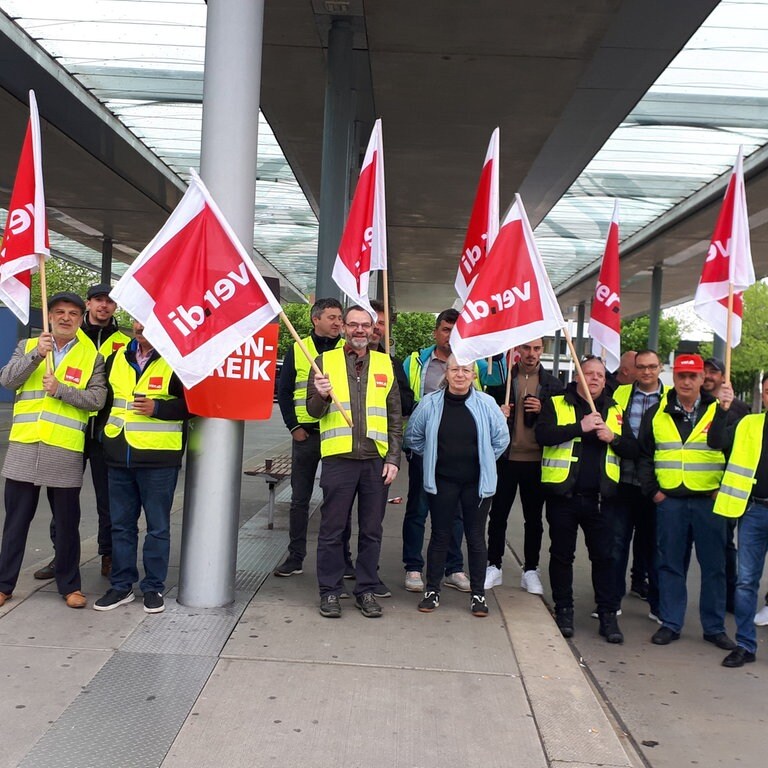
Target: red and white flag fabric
point(483, 223)
point(363, 246)
point(195, 289)
point(511, 301)
point(26, 229)
point(605, 317)
point(729, 261)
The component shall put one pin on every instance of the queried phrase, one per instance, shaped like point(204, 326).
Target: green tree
point(298, 314)
point(634, 335)
point(412, 331)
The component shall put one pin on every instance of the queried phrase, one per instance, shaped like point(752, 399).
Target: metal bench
point(273, 471)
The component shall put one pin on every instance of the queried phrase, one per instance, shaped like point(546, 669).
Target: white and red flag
point(511, 301)
point(483, 223)
point(26, 230)
point(605, 317)
point(728, 262)
point(363, 246)
point(195, 289)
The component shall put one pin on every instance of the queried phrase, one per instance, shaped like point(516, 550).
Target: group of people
point(86, 392)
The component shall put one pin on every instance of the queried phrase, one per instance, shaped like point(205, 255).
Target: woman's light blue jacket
point(492, 436)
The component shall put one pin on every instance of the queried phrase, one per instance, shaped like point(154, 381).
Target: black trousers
point(565, 515)
point(514, 475)
point(20, 505)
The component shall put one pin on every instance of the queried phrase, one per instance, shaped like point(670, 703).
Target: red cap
point(692, 363)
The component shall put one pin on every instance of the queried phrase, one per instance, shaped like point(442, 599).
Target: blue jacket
point(492, 436)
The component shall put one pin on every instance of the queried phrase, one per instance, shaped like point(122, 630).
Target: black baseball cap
point(714, 362)
point(101, 289)
point(71, 298)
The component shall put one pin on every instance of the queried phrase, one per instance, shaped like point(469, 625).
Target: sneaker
point(761, 617)
point(381, 590)
point(344, 595)
point(564, 621)
point(153, 602)
point(414, 582)
point(595, 614)
point(368, 605)
point(290, 567)
point(113, 598)
point(430, 602)
point(478, 606)
point(639, 589)
point(653, 617)
point(458, 581)
point(349, 571)
point(492, 577)
point(46, 572)
point(609, 628)
point(330, 607)
point(530, 581)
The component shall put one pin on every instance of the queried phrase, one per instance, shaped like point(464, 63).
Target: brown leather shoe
point(4, 598)
point(106, 565)
point(76, 600)
point(46, 572)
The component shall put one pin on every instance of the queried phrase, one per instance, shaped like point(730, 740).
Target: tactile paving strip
point(131, 711)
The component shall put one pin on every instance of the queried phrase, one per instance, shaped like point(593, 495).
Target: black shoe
point(381, 590)
point(46, 572)
point(430, 602)
point(478, 606)
point(639, 589)
point(368, 605)
point(664, 636)
point(330, 607)
point(722, 641)
point(113, 598)
point(564, 621)
point(609, 628)
point(738, 657)
point(349, 571)
point(290, 567)
point(153, 602)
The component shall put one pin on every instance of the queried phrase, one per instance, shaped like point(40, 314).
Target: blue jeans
point(753, 544)
point(681, 522)
point(130, 490)
point(415, 519)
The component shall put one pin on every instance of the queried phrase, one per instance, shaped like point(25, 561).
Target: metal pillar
point(228, 168)
point(556, 355)
point(338, 125)
point(106, 260)
point(655, 310)
point(580, 329)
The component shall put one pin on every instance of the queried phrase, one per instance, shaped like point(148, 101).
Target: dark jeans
point(731, 564)
point(525, 475)
point(681, 522)
point(305, 456)
point(443, 507)
point(565, 515)
point(415, 519)
point(20, 505)
point(631, 512)
point(753, 545)
point(129, 490)
point(342, 480)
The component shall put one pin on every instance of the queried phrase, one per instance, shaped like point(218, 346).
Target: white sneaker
point(458, 580)
point(653, 617)
point(414, 582)
point(492, 577)
point(530, 581)
point(761, 617)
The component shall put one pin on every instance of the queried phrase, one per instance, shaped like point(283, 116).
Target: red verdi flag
point(483, 223)
point(26, 230)
point(605, 317)
point(363, 246)
point(729, 261)
point(511, 301)
point(195, 289)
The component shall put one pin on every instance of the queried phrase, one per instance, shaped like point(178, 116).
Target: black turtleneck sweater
point(458, 458)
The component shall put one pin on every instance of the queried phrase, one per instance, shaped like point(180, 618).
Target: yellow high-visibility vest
point(417, 373)
point(141, 432)
point(335, 433)
point(116, 341)
point(38, 417)
point(739, 475)
point(303, 367)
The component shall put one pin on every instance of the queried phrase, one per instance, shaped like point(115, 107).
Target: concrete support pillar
point(556, 354)
point(228, 167)
point(655, 310)
point(718, 347)
point(580, 329)
point(106, 260)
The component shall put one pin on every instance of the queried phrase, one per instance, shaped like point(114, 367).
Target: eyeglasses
point(466, 371)
point(649, 367)
point(364, 326)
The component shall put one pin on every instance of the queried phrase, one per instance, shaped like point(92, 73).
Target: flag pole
point(318, 372)
point(386, 310)
point(728, 334)
point(580, 373)
point(44, 307)
point(509, 377)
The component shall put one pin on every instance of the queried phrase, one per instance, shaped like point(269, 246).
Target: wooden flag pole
point(44, 302)
point(575, 357)
point(318, 372)
point(386, 310)
point(509, 377)
point(728, 334)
